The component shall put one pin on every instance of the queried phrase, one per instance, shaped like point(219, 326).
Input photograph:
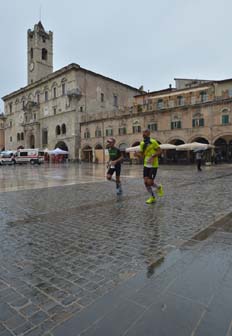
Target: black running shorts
point(149, 172)
point(116, 169)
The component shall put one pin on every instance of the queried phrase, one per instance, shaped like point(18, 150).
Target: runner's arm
point(118, 160)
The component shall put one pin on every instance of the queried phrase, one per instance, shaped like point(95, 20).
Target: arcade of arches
point(221, 153)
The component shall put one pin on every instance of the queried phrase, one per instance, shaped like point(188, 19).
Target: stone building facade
point(47, 112)
point(196, 111)
point(2, 131)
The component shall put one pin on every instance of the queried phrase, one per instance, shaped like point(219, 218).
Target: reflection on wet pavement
point(66, 239)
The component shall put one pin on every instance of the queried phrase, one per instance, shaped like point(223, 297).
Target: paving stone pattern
point(62, 248)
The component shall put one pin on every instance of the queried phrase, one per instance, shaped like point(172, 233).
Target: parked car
point(7, 158)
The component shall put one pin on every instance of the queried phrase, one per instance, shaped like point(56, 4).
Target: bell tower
point(39, 53)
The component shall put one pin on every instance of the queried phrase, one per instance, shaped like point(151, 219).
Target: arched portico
point(87, 153)
point(223, 147)
point(98, 154)
point(221, 150)
point(200, 140)
point(62, 145)
point(173, 156)
point(32, 141)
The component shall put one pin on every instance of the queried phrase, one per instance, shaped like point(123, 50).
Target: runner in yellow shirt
point(150, 150)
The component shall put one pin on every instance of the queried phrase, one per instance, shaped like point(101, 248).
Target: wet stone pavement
point(67, 241)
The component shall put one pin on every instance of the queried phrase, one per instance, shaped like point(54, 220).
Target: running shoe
point(160, 191)
point(119, 190)
point(151, 200)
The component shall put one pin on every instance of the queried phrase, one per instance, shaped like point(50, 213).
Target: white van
point(7, 157)
point(31, 155)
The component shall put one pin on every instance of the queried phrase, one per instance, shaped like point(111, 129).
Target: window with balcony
point(203, 96)
point(109, 132)
point(175, 124)
point(160, 104)
point(225, 119)
point(152, 126)
point(122, 130)
point(198, 122)
point(136, 129)
point(98, 133)
point(193, 100)
point(180, 100)
point(87, 134)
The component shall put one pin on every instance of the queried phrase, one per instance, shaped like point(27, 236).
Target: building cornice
point(62, 71)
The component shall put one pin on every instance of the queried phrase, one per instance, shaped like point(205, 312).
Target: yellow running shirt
point(150, 149)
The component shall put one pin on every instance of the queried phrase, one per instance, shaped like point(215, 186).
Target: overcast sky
point(147, 42)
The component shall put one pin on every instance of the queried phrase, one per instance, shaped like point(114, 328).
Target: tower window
point(31, 53)
point(44, 54)
point(63, 129)
point(46, 96)
point(58, 130)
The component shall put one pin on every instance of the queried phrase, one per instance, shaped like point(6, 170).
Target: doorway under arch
point(87, 154)
point(221, 150)
point(201, 140)
point(32, 141)
point(62, 145)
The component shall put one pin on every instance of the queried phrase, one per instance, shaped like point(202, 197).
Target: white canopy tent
point(137, 148)
point(57, 151)
point(195, 146)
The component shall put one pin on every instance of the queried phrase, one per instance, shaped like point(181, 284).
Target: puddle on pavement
point(154, 266)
